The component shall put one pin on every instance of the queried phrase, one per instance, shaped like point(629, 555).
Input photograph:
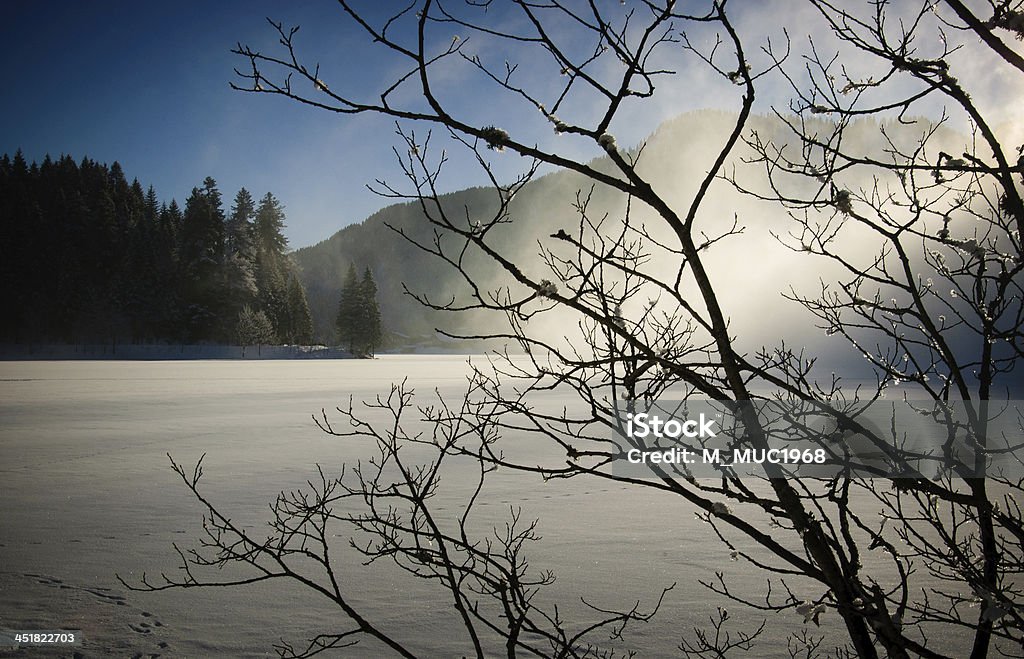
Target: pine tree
point(271, 266)
point(239, 226)
point(152, 209)
point(253, 327)
point(133, 289)
point(239, 266)
point(370, 332)
point(167, 318)
point(268, 227)
point(173, 220)
point(139, 267)
point(272, 292)
point(358, 322)
point(300, 320)
point(202, 227)
point(16, 235)
point(348, 310)
point(201, 258)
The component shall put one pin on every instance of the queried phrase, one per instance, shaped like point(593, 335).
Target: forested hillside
point(673, 158)
point(394, 263)
point(88, 256)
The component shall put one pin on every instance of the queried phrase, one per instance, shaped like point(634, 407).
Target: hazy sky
point(146, 83)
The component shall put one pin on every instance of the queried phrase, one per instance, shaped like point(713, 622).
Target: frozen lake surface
point(86, 492)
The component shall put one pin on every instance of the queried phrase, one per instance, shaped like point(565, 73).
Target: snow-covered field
point(86, 492)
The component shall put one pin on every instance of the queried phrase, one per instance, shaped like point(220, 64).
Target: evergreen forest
point(88, 257)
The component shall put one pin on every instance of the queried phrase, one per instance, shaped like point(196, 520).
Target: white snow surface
point(86, 492)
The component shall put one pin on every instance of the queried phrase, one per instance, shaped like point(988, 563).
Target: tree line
point(89, 257)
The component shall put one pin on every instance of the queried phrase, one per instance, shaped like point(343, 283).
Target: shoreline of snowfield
point(163, 352)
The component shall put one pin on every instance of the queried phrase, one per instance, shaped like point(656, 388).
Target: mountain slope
point(538, 210)
point(750, 271)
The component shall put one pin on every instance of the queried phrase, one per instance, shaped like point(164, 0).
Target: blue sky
point(146, 84)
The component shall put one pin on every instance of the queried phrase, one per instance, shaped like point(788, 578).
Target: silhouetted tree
point(930, 250)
